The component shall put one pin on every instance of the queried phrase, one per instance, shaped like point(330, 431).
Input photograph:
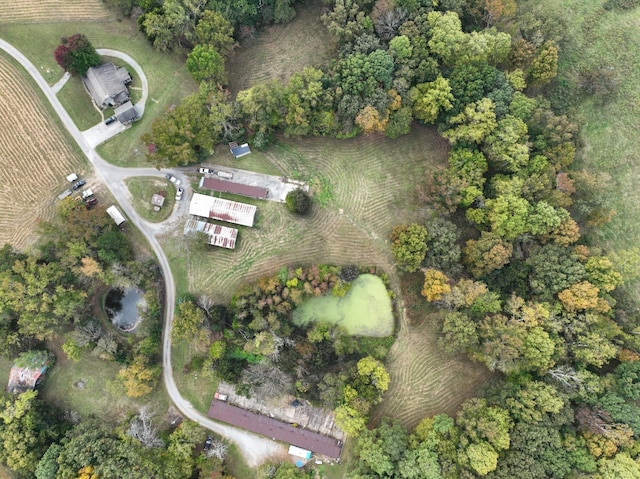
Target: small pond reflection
point(121, 306)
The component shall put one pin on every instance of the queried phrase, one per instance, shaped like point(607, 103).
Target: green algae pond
point(364, 311)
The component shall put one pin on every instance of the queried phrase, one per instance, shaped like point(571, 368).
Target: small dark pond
point(122, 307)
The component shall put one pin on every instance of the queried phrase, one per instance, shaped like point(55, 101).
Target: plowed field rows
point(34, 159)
point(36, 11)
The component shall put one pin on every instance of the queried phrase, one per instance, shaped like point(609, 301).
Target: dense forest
point(506, 259)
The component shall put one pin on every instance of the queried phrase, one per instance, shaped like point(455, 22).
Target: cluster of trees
point(400, 62)
point(41, 441)
point(76, 54)
point(254, 343)
point(524, 294)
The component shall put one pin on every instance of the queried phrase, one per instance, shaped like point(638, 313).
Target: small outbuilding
point(27, 371)
point(239, 150)
point(157, 201)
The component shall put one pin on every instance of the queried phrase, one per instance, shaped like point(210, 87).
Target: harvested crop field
point(35, 11)
point(34, 160)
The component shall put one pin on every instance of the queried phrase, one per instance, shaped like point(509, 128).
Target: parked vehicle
point(179, 193)
point(87, 193)
point(110, 120)
point(90, 202)
point(225, 174)
point(207, 171)
point(173, 179)
point(78, 184)
point(208, 443)
point(220, 396)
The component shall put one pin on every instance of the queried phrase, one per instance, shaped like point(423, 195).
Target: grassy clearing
point(143, 188)
point(596, 37)
point(279, 51)
point(193, 386)
point(168, 79)
point(425, 380)
point(100, 394)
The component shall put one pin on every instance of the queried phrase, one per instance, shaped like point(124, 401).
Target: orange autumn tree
point(436, 285)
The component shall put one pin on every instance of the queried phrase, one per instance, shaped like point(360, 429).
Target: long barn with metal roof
point(222, 210)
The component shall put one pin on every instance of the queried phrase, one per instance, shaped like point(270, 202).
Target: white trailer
point(115, 214)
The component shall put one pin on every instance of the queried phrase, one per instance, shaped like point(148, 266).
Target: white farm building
point(222, 210)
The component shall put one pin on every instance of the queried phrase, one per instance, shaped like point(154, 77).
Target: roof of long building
point(222, 210)
point(216, 184)
point(312, 441)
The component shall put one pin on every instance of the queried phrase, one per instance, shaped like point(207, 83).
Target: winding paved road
point(255, 449)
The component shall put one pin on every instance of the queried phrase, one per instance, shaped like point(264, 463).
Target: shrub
point(298, 202)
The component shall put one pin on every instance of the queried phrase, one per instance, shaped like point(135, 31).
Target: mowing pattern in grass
point(34, 11)
point(34, 159)
point(424, 379)
point(143, 188)
point(281, 50)
point(372, 182)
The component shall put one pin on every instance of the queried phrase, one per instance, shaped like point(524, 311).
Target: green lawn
point(193, 386)
point(100, 394)
point(168, 78)
point(143, 188)
point(78, 104)
point(611, 144)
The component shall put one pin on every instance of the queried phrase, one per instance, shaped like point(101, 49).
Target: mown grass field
point(168, 79)
point(278, 51)
point(35, 157)
point(193, 386)
point(597, 37)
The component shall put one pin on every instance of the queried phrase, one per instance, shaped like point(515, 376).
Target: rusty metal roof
point(216, 184)
point(312, 441)
point(223, 210)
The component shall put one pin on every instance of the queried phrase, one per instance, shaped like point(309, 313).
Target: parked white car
point(173, 179)
point(179, 193)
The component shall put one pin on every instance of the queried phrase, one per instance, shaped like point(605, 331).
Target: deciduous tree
point(408, 244)
point(436, 285)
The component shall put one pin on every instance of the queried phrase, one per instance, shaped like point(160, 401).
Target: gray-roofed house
point(126, 113)
point(107, 84)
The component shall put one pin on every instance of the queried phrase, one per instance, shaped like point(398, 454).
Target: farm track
point(35, 157)
point(38, 11)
